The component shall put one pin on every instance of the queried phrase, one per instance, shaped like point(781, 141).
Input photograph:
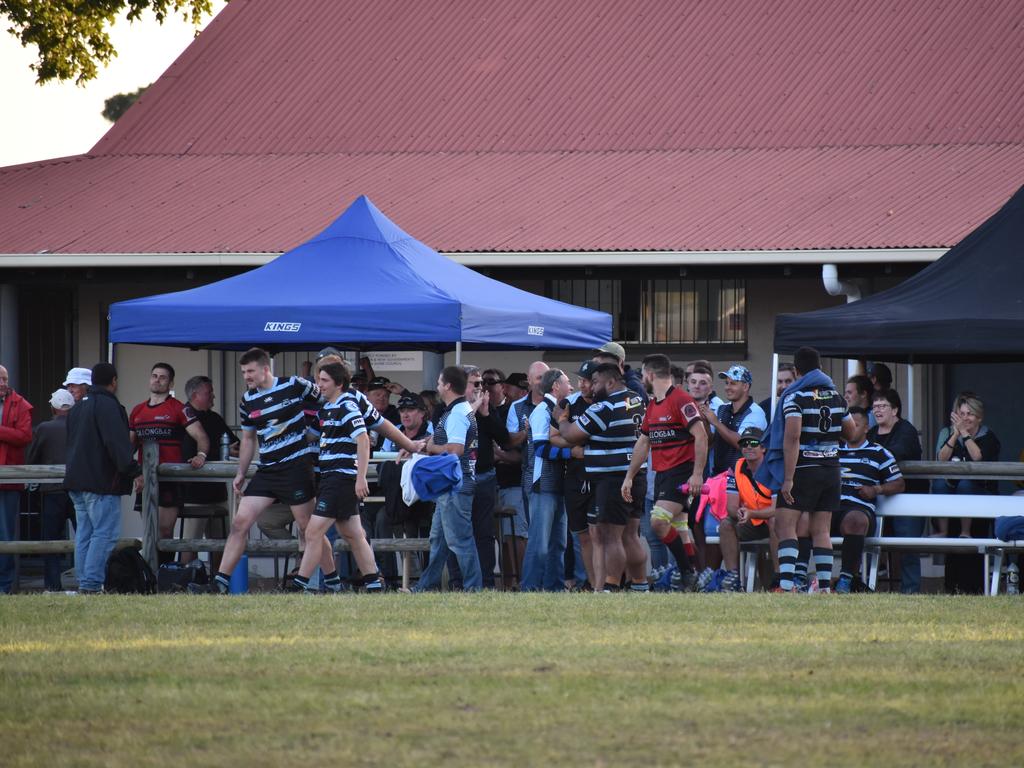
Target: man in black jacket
point(99, 463)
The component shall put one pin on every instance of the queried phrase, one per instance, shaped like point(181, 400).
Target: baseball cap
point(738, 373)
point(78, 376)
point(587, 368)
point(411, 401)
point(328, 352)
point(378, 382)
point(751, 433)
point(518, 380)
point(613, 349)
point(62, 399)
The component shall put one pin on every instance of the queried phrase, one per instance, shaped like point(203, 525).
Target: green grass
point(505, 679)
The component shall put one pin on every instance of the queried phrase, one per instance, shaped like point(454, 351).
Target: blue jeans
point(9, 503)
point(544, 561)
point(451, 530)
point(99, 526)
point(484, 499)
point(659, 552)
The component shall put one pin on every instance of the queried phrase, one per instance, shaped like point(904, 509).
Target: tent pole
point(458, 353)
point(110, 352)
point(775, 378)
point(911, 395)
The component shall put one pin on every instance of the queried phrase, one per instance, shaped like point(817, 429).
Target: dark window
point(664, 311)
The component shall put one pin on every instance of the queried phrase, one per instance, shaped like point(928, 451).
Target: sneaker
point(685, 582)
point(704, 579)
point(666, 582)
point(375, 586)
point(844, 585)
point(714, 583)
point(730, 582)
point(212, 588)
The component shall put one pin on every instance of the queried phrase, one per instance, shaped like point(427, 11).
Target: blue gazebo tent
point(362, 283)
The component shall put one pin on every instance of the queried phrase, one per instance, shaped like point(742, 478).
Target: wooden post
point(150, 504)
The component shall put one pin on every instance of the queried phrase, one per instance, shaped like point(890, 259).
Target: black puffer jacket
point(99, 451)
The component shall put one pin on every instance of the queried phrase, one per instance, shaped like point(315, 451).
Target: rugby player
point(273, 415)
point(609, 430)
point(343, 459)
point(815, 417)
point(674, 435)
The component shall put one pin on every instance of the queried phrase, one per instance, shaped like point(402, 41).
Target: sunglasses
point(750, 443)
point(490, 382)
point(478, 385)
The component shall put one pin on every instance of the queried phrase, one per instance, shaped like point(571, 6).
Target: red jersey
point(667, 425)
point(164, 423)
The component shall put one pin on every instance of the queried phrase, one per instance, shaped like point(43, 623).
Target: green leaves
point(71, 35)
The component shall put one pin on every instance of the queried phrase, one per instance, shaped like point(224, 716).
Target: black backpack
point(128, 573)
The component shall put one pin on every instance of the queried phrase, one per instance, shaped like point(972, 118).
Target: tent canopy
point(967, 306)
point(361, 283)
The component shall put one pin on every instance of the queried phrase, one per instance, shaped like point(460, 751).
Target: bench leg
point(406, 570)
point(751, 568)
point(876, 556)
point(997, 567)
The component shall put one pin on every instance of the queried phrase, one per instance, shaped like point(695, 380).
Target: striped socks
point(823, 565)
point(788, 550)
point(803, 560)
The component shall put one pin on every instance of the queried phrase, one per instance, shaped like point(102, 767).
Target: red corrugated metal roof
point(584, 124)
point(870, 197)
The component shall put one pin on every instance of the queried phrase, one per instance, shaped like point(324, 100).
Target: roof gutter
point(502, 259)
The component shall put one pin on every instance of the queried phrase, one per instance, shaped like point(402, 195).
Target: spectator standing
point(165, 420)
point(491, 431)
point(868, 471)
point(699, 384)
point(544, 564)
point(200, 399)
point(783, 379)
point(518, 425)
point(578, 497)
point(881, 376)
point(731, 419)
point(451, 529)
point(859, 392)
point(378, 390)
point(50, 446)
point(77, 382)
point(99, 467)
point(616, 355)
point(15, 435)
point(508, 467)
point(900, 438)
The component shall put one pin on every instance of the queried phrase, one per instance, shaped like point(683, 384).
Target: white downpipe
point(775, 378)
point(909, 415)
point(458, 353)
point(836, 287)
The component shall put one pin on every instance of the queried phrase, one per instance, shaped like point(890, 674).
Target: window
point(664, 311)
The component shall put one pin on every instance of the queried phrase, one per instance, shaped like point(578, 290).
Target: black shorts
point(290, 483)
point(666, 484)
point(337, 496)
point(609, 506)
point(815, 489)
point(837, 519)
point(578, 500)
point(171, 494)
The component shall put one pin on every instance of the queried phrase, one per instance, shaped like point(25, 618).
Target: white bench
point(923, 506)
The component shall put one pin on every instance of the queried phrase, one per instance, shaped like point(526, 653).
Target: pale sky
point(60, 119)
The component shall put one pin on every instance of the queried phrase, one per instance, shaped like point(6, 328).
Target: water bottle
point(1012, 579)
point(225, 447)
point(239, 584)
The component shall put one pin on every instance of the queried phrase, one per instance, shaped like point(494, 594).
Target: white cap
point(62, 399)
point(78, 376)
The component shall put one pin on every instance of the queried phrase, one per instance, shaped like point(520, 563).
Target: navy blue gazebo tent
point(362, 283)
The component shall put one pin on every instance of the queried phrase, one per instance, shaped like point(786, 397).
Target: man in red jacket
point(15, 434)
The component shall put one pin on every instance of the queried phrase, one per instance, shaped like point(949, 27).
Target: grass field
point(505, 679)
